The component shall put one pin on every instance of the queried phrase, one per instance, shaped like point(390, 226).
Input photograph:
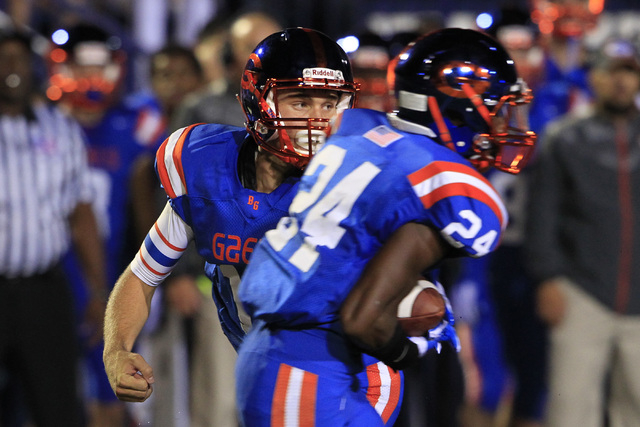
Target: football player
point(387, 198)
point(87, 70)
point(228, 185)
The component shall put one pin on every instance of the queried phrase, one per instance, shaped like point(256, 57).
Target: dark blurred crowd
point(525, 313)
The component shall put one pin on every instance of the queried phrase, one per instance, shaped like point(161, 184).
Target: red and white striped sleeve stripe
point(169, 163)
point(441, 179)
point(162, 248)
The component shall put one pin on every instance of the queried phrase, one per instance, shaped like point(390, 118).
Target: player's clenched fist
point(130, 376)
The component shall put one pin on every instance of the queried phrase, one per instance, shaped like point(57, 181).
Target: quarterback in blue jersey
point(227, 186)
point(386, 199)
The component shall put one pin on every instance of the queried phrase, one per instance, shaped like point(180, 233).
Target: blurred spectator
point(584, 242)
point(45, 207)
point(175, 73)
point(369, 63)
point(512, 292)
point(155, 23)
point(549, 57)
point(229, 48)
point(563, 86)
point(87, 73)
point(486, 375)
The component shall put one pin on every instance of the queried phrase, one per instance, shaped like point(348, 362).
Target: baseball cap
point(615, 54)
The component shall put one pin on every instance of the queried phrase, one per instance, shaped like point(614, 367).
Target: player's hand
point(444, 332)
point(183, 295)
point(130, 376)
point(551, 302)
point(93, 325)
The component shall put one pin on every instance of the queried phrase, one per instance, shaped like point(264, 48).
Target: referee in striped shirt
point(44, 207)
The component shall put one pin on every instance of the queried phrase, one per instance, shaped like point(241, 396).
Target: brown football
point(422, 309)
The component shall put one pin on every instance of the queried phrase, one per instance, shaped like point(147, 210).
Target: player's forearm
point(90, 249)
point(127, 312)
point(369, 312)
point(143, 189)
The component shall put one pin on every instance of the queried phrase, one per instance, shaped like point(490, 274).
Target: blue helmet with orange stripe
point(463, 85)
point(298, 58)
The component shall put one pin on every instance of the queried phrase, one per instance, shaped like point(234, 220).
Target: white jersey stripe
point(449, 177)
point(152, 263)
point(143, 273)
point(162, 246)
point(292, 400)
point(172, 172)
point(385, 388)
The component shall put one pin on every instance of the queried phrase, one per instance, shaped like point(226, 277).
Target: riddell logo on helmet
point(322, 73)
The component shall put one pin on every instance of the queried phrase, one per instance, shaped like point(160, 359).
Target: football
point(422, 309)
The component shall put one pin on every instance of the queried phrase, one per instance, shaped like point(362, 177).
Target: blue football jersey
point(367, 181)
point(198, 168)
point(129, 130)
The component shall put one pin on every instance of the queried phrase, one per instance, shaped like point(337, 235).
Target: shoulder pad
point(461, 195)
point(169, 162)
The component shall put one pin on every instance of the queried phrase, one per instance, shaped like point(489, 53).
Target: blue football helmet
point(293, 58)
point(463, 85)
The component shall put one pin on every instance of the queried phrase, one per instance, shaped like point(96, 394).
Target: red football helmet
point(86, 67)
point(566, 18)
point(370, 61)
point(293, 58)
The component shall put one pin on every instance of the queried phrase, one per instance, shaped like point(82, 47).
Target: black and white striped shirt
point(43, 176)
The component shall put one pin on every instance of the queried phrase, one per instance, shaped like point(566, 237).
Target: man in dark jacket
point(584, 242)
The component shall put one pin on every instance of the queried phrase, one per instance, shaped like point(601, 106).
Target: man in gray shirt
point(584, 248)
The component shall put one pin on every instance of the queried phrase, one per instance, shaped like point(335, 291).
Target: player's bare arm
point(89, 247)
point(369, 314)
point(129, 374)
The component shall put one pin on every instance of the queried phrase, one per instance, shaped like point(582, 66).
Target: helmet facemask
point(272, 130)
point(508, 144)
point(90, 79)
point(502, 140)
